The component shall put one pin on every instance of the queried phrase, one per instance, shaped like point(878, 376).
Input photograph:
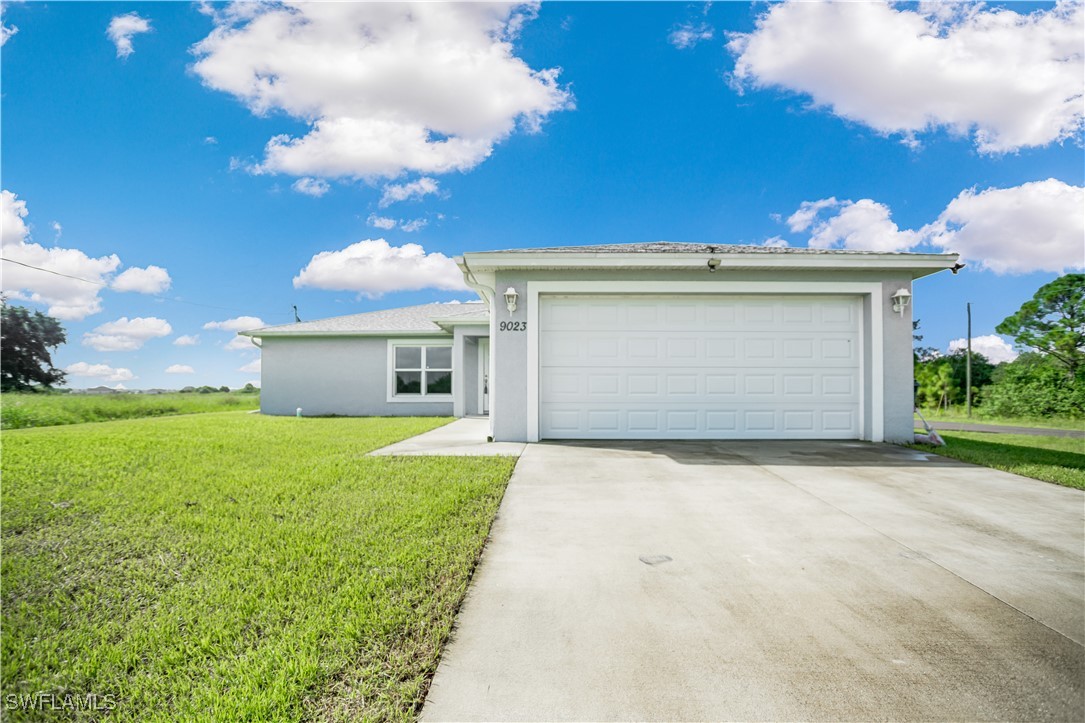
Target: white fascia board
point(916, 264)
point(265, 334)
point(454, 321)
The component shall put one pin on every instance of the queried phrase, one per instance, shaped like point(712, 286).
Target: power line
point(157, 296)
point(54, 273)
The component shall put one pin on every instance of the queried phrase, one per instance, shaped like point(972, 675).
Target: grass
point(235, 567)
point(978, 417)
point(1060, 460)
point(21, 411)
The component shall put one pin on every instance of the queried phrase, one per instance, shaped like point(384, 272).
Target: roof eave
point(916, 264)
point(263, 333)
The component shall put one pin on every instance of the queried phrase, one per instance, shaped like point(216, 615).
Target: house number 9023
point(512, 326)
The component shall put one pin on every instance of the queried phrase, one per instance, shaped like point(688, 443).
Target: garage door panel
point(655, 367)
point(696, 422)
point(581, 348)
point(697, 385)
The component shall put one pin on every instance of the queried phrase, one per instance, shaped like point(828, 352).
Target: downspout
point(485, 292)
point(487, 295)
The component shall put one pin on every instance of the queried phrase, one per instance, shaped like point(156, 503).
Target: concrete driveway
point(770, 581)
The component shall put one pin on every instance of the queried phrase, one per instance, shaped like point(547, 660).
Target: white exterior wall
point(887, 378)
point(346, 376)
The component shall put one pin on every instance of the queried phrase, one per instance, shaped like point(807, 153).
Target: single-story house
point(629, 341)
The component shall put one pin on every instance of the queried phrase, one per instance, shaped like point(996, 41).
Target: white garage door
point(699, 367)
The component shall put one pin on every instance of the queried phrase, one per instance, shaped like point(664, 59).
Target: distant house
point(101, 390)
point(629, 341)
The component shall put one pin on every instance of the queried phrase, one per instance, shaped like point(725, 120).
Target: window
point(420, 370)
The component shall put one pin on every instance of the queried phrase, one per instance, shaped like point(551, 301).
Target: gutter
point(486, 292)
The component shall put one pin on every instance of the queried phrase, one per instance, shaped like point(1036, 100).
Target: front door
point(484, 376)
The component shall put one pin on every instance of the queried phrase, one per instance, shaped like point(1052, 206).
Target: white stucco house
point(629, 341)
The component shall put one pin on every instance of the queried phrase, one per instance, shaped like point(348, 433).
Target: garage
point(699, 366)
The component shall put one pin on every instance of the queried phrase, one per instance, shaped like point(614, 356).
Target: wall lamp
point(900, 300)
point(510, 299)
point(713, 264)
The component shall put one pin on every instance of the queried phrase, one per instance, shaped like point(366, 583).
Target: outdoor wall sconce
point(900, 300)
point(713, 264)
point(510, 299)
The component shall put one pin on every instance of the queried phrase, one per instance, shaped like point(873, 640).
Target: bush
point(1034, 386)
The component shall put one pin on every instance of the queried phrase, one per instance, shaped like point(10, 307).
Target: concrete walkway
point(770, 581)
point(464, 437)
point(1003, 429)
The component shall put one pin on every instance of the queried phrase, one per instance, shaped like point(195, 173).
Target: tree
point(1053, 322)
point(25, 359)
point(936, 387)
point(921, 353)
point(981, 370)
point(1034, 385)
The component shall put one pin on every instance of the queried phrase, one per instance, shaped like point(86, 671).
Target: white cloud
point(382, 222)
point(151, 280)
point(210, 141)
point(100, 371)
point(13, 230)
point(991, 346)
point(687, 35)
point(240, 323)
point(413, 191)
point(775, 242)
point(386, 88)
point(314, 187)
point(240, 343)
point(863, 224)
point(57, 229)
point(180, 369)
point(808, 212)
point(1037, 226)
point(373, 267)
point(69, 299)
point(414, 225)
point(126, 334)
point(186, 340)
point(1010, 80)
point(122, 28)
point(252, 367)
point(6, 31)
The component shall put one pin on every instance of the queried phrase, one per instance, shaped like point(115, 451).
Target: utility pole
point(968, 364)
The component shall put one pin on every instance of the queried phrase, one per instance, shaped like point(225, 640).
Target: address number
point(512, 326)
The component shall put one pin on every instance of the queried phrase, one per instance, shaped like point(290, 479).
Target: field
point(20, 411)
point(234, 567)
point(1059, 460)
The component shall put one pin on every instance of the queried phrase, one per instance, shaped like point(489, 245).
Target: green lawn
point(20, 411)
point(958, 415)
point(235, 567)
point(1052, 459)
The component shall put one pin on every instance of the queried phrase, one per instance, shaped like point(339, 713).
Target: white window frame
point(422, 397)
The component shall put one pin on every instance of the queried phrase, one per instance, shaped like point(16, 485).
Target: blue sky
point(570, 123)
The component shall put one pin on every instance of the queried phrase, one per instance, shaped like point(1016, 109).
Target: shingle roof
point(411, 319)
point(657, 247)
